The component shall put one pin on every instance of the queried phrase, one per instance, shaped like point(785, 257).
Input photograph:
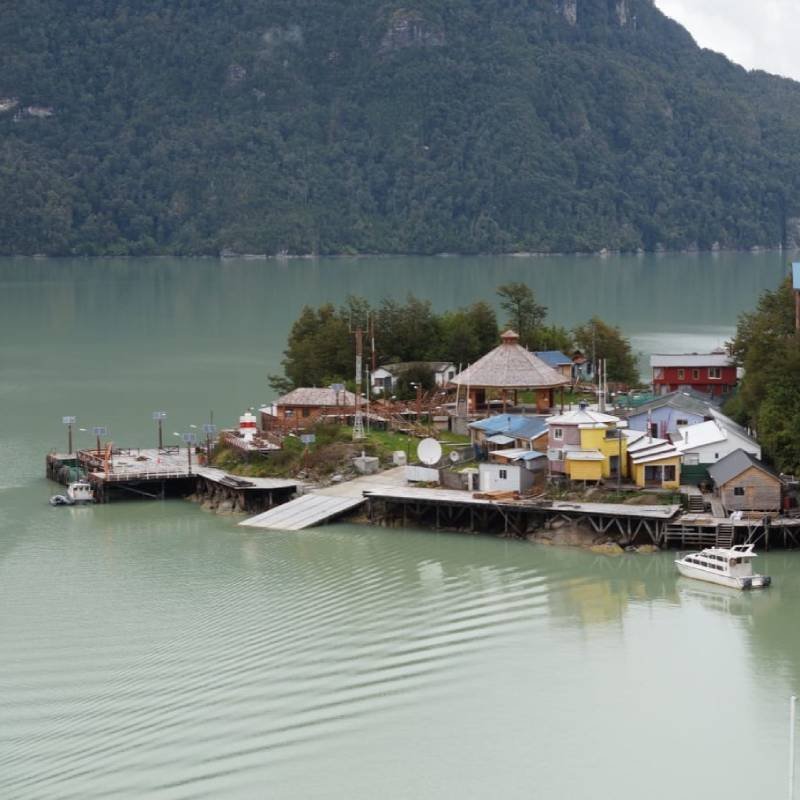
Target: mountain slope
point(364, 125)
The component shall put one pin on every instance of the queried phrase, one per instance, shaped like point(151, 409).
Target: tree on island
point(525, 315)
point(599, 340)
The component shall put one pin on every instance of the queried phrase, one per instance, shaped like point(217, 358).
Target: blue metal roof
point(553, 358)
point(519, 425)
point(796, 275)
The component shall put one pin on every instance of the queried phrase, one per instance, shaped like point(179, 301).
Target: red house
point(709, 373)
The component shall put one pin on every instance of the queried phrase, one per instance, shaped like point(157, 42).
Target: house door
point(652, 477)
point(613, 466)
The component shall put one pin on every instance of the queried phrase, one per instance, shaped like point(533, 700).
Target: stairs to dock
point(724, 535)
point(696, 504)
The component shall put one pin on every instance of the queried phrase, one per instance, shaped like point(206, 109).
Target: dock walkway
point(319, 506)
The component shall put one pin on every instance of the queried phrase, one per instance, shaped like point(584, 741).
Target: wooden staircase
point(696, 504)
point(725, 535)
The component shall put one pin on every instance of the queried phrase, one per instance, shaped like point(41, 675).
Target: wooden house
point(663, 416)
point(557, 360)
point(385, 378)
point(506, 371)
point(743, 483)
point(303, 406)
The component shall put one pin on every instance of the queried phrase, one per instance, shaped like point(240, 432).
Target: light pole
point(69, 422)
point(189, 438)
point(159, 417)
point(98, 431)
point(209, 429)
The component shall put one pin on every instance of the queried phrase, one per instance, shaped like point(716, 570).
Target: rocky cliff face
point(568, 9)
point(619, 11)
point(409, 28)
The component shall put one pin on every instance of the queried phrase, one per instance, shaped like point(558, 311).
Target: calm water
point(154, 650)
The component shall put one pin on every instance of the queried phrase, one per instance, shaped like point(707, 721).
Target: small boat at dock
point(732, 567)
point(78, 493)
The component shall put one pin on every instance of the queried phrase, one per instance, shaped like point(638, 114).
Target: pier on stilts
point(458, 510)
point(158, 473)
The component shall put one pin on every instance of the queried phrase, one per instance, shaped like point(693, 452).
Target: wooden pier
point(459, 510)
point(155, 474)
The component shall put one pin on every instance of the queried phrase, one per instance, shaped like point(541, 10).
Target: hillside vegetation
point(329, 126)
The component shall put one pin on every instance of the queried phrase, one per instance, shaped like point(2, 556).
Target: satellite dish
point(429, 452)
point(455, 457)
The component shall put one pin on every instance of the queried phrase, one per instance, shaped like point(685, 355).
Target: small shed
point(505, 477)
point(743, 483)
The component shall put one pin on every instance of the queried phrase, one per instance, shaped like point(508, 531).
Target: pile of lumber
point(498, 495)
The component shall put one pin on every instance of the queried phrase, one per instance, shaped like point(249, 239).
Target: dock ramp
point(304, 512)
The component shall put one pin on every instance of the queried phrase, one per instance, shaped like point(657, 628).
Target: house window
point(669, 472)
point(288, 412)
point(714, 373)
point(558, 433)
point(681, 374)
point(503, 474)
point(739, 491)
point(695, 374)
point(658, 373)
point(306, 412)
point(682, 422)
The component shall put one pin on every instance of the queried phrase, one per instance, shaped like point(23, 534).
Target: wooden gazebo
point(507, 370)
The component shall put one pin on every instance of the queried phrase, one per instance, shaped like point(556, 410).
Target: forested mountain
point(198, 126)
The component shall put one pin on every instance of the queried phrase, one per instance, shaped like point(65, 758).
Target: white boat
point(728, 567)
point(78, 493)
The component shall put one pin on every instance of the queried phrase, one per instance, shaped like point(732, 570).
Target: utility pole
point(358, 419)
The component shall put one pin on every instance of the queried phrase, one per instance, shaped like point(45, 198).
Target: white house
point(384, 379)
point(710, 441)
point(495, 477)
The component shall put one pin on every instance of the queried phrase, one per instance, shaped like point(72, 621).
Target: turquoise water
point(156, 650)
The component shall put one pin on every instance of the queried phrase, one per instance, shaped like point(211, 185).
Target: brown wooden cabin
point(743, 483)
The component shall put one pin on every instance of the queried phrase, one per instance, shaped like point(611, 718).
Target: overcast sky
point(758, 34)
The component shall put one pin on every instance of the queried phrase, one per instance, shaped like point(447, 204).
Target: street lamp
point(69, 422)
point(159, 417)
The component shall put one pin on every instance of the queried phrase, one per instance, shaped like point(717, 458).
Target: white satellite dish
point(429, 452)
point(455, 456)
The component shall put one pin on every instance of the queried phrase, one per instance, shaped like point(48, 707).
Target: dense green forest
point(330, 126)
point(767, 345)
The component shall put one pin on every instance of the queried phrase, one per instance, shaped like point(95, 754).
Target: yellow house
point(654, 463)
point(585, 445)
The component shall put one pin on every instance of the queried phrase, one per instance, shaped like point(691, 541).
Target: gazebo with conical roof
point(509, 369)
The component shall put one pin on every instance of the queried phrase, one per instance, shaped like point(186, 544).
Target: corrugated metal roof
point(582, 416)
point(690, 401)
point(555, 358)
point(700, 435)
point(499, 438)
point(405, 366)
point(585, 455)
point(734, 464)
point(691, 360)
point(519, 425)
